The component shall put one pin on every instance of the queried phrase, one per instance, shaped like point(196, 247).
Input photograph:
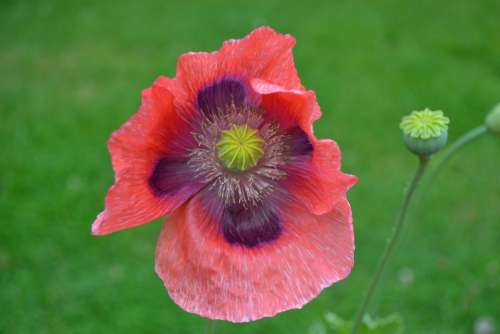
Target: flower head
point(258, 220)
point(425, 132)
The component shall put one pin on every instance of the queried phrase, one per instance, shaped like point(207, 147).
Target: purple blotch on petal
point(170, 176)
point(250, 226)
point(299, 142)
point(221, 94)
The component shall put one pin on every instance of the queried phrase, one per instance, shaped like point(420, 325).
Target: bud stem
point(392, 242)
point(457, 144)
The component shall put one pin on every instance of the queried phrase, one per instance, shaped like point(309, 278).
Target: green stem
point(457, 144)
point(210, 327)
point(392, 242)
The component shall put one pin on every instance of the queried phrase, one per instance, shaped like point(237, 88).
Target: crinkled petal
point(138, 150)
point(318, 181)
point(206, 275)
point(263, 53)
point(290, 107)
point(316, 178)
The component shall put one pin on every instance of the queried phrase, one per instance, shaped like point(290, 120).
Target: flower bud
point(492, 120)
point(425, 132)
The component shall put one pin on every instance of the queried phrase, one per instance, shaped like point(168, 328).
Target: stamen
point(266, 150)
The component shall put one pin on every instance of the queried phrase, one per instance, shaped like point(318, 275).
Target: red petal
point(317, 182)
point(154, 131)
point(263, 53)
point(290, 107)
point(208, 276)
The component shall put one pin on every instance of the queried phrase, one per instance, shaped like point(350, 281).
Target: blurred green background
point(72, 72)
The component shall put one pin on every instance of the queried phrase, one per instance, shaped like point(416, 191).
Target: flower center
point(240, 147)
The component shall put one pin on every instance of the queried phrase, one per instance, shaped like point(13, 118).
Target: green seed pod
point(492, 120)
point(425, 147)
point(240, 148)
point(425, 132)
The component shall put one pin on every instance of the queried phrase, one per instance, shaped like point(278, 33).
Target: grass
point(72, 72)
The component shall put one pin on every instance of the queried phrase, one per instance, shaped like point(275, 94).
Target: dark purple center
point(250, 227)
point(170, 175)
point(245, 223)
point(221, 94)
point(299, 143)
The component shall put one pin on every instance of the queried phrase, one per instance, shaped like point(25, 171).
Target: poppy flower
point(258, 220)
